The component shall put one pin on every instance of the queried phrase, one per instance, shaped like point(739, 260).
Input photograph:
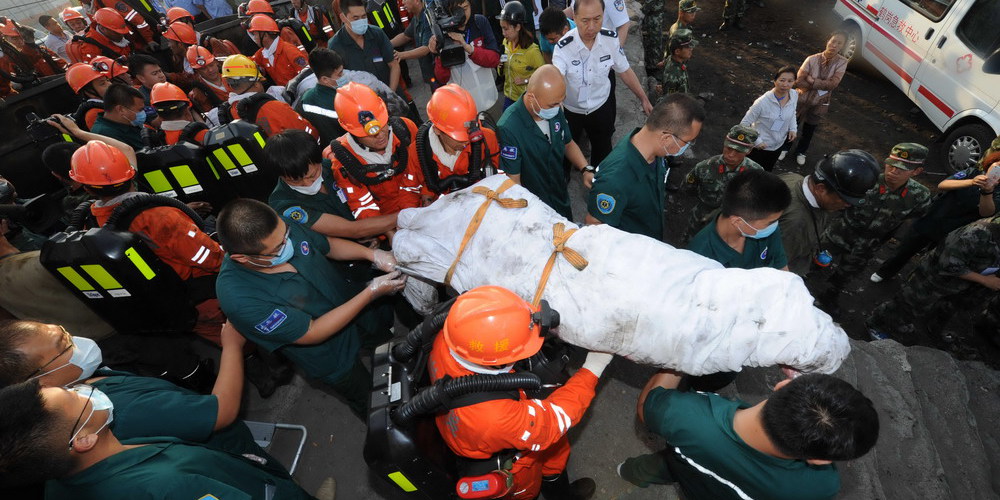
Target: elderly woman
point(818, 76)
point(772, 115)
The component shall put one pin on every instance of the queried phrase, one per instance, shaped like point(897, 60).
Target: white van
point(935, 51)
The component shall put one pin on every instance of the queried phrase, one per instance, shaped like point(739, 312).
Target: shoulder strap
point(225, 112)
point(104, 48)
point(80, 115)
point(123, 215)
point(249, 107)
point(209, 94)
point(190, 132)
point(426, 158)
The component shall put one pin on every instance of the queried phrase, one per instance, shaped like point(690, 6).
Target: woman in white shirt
point(772, 115)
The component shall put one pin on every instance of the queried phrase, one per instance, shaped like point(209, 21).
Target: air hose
point(438, 396)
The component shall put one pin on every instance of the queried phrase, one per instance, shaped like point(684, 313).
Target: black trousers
point(765, 158)
point(599, 126)
point(911, 245)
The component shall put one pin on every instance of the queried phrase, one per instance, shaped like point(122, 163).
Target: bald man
point(535, 138)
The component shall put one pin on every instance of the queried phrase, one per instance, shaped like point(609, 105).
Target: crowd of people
point(304, 277)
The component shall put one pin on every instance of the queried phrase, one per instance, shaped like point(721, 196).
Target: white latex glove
point(384, 261)
point(596, 362)
point(387, 284)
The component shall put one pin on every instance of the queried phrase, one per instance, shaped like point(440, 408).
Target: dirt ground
point(867, 113)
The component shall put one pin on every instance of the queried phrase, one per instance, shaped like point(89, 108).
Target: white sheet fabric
point(638, 297)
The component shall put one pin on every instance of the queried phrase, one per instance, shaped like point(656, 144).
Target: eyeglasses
point(73, 430)
point(284, 241)
point(677, 138)
point(66, 336)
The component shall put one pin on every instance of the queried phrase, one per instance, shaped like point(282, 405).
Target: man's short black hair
point(243, 225)
point(14, 365)
point(44, 19)
point(785, 69)
point(676, 113)
point(577, 3)
point(138, 62)
point(754, 194)
point(324, 61)
point(346, 4)
point(32, 446)
point(552, 20)
point(291, 152)
point(57, 158)
point(820, 417)
point(119, 94)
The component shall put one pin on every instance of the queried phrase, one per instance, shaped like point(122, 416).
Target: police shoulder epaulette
point(565, 41)
point(611, 33)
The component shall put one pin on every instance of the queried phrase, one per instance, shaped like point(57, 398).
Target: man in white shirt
point(615, 18)
point(585, 55)
point(58, 37)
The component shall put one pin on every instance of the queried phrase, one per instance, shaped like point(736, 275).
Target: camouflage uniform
point(654, 19)
point(675, 77)
point(734, 9)
point(708, 179)
point(933, 291)
point(678, 26)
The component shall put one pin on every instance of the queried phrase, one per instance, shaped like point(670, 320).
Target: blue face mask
point(285, 255)
point(140, 118)
point(761, 233)
point(98, 402)
point(545, 113)
point(343, 80)
point(679, 151)
point(360, 26)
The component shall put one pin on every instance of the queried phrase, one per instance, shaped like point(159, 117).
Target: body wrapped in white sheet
point(637, 297)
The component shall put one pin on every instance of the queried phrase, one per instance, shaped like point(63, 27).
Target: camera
point(445, 18)
point(40, 129)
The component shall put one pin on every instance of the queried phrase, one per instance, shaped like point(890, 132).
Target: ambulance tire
point(964, 146)
point(853, 45)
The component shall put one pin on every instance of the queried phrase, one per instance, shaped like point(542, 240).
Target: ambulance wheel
point(964, 146)
point(853, 45)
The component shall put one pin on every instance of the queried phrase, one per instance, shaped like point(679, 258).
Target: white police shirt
point(586, 70)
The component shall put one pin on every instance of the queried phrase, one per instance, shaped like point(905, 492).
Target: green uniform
point(316, 106)
point(654, 20)
point(675, 77)
point(149, 407)
point(679, 25)
point(274, 311)
point(801, 226)
point(855, 236)
point(629, 192)
point(707, 459)
point(734, 9)
point(167, 469)
point(764, 252)
point(933, 291)
point(306, 209)
point(708, 180)
point(123, 132)
point(537, 158)
point(373, 58)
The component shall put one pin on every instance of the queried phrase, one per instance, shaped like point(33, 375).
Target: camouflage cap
point(995, 145)
point(741, 138)
point(682, 38)
point(688, 6)
point(907, 156)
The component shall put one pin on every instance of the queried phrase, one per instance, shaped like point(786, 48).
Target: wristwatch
point(589, 168)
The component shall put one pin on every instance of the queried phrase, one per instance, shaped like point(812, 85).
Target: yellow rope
point(477, 218)
point(559, 238)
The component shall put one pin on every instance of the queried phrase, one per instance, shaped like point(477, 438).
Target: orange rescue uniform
point(199, 95)
point(80, 50)
point(401, 191)
point(288, 61)
point(537, 428)
point(171, 137)
point(35, 55)
point(461, 166)
point(137, 22)
point(275, 117)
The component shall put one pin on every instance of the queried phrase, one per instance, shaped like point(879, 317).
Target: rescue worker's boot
point(267, 371)
point(559, 488)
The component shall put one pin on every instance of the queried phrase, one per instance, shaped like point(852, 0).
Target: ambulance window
point(979, 27)
point(931, 9)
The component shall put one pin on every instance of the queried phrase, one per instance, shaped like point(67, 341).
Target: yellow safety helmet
point(240, 66)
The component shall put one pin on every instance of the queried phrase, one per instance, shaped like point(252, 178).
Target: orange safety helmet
point(181, 32)
point(69, 13)
point(177, 13)
point(108, 66)
point(451, 109)
point(112, 20)
point(360, 110)
point(8, 29)
point(259, 7)
point(167, 92)
point(491, 325)
point(199, 57)
point(78, 75)
point(263, 23)
point(98, 164)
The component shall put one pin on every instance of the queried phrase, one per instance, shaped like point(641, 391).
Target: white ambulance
point(935, 51)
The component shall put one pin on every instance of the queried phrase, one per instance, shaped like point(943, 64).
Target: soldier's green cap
point(741, 138)
point(907, 156)
point(688, 6)
point(995, 145)
point(682, 38)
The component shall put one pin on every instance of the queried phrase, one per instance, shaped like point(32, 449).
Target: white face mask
point(311, 189)
point(86, 356)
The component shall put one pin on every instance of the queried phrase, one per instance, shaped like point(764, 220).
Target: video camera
point(41, 129)
point(442, 21)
